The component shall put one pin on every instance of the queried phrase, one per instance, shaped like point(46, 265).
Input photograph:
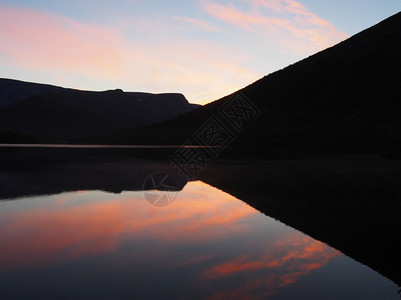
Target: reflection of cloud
point(284, 262)
point(287, 22)
point(90, 228)
point(205, 232)
point(296, 248)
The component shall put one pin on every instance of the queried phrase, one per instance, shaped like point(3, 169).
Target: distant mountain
point(54, 114)
point(345, 99)
point(12, 91)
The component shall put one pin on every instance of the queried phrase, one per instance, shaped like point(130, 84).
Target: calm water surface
point(206, 245)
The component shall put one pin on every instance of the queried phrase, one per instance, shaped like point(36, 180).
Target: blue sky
point(204, 49)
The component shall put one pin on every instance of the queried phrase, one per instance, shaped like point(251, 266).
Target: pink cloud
point(155, 54)
point(201, 24)
point(126, 55)
point(286, 22)
point(232, 15)
point(40, 40)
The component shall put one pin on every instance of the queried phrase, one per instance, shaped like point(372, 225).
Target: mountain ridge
point(55, 114)
point(345, 100)
point(342, 100)
point(13, 91)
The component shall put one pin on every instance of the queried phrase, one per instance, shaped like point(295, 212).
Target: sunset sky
point(204, 49)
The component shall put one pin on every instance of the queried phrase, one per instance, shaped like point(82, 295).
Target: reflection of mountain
point(351, 204)
point(138, 244)
point(54, 114)
point(345, 99)
point(51, 171)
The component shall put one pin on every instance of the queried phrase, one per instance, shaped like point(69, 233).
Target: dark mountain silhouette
point(26, 171)
point(12, 91)
point(345, 99)
point(66, 114)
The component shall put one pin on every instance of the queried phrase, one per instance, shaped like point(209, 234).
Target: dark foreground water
point(206, 245)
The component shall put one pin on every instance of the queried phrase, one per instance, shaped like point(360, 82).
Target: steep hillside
point(345, 99)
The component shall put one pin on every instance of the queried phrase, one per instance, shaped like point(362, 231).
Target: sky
point(204, 49)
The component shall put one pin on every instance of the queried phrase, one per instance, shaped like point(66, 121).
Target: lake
point(202, 244)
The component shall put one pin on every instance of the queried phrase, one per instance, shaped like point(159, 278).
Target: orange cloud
point(287, 22)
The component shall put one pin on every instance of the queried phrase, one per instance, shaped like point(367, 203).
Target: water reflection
point(95, 222)
point(283, 262)
point(207, 244)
